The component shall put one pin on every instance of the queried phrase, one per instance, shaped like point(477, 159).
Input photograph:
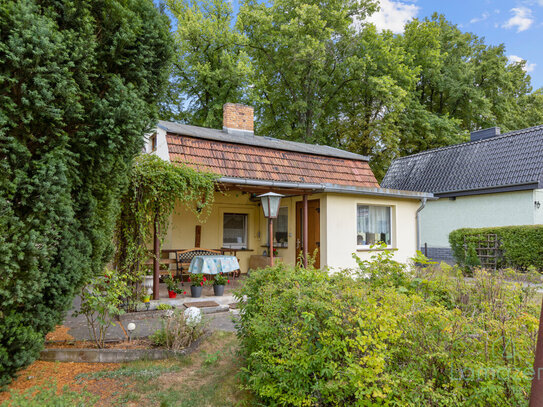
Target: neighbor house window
point(373, 225)
point(234, 235)
point(280, 228)
point(153, 142)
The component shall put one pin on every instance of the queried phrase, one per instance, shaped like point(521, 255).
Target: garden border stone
point(90, 355)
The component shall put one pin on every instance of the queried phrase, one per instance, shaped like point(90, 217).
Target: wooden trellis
point(487, 249)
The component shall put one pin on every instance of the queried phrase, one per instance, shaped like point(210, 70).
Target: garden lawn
point(208, 377)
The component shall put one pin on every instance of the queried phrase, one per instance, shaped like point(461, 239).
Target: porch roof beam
point(305, 188)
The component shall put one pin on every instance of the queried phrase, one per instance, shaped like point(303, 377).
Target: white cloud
point(393, 15)
point(522, 19)
point(483, 17)
point(515, 59)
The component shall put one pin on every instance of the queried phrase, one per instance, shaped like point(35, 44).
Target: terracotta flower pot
point(196, 290)
point(218, 290)
point(172, 294)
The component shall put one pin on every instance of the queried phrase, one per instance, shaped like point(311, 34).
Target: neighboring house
point(493, 180)
point(347, 211)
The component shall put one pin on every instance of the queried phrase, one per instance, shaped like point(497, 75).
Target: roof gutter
point(330, 188)
point(489, 190)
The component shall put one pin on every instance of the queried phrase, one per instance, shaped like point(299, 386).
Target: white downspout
point(422, 205)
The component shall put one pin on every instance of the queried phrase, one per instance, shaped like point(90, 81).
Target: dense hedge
point(521, 246)
point(79, 86)
point(386, 336)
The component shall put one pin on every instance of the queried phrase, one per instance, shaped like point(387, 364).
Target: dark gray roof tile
point(259, 141)
point(509, 159)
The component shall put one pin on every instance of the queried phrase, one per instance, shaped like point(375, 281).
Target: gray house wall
point(441, 217)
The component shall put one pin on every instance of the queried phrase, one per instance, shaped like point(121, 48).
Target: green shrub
point(521, 246)
point(178, 331)
point(386, 334)
point(79, 86)
point(101, 300)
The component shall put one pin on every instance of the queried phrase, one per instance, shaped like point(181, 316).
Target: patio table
point(213, 264)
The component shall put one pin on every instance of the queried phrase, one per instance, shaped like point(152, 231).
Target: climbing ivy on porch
point(155, 187)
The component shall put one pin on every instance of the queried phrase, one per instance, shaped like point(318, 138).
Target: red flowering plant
point(198, 280)
point(172, 284)
point(220, 279)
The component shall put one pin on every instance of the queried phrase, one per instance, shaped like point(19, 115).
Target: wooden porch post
point(270, 230)
point(156, 261)
point(305, 234)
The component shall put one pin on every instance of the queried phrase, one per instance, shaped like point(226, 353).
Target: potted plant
point(197, 282)
point(173, 288)
point(218, 284)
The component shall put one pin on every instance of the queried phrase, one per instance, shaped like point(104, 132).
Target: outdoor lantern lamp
point(270, 206)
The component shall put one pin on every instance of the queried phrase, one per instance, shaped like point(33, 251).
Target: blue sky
point(517, 24)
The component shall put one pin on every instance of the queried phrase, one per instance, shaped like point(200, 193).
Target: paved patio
point(219, 318)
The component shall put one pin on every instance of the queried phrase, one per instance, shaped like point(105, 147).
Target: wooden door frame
point(302, 221)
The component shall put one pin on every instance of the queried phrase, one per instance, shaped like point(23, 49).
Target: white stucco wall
point(337, 227)
point(339, 220)
point(441, 217)
point(161, 144)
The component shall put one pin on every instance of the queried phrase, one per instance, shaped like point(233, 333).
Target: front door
point(313, 229)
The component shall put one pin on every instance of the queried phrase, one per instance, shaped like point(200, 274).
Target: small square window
point(234, 231)
point(373, 225)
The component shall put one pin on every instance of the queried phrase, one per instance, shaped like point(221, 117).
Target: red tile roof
point(254, 162)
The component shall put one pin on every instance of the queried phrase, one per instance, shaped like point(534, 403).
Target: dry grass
point(208, 378)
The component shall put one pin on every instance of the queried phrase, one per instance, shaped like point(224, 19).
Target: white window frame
point(391, 228)
point(239, 246)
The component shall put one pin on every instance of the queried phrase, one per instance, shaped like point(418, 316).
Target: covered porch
point(237, 226)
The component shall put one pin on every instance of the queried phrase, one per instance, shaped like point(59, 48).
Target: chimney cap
point(484, 134)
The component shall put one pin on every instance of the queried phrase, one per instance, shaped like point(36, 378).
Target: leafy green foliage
point(315, 72)
point(79, 84)
point(101, 300)
point(210, 68)
point(156, 186)
point(176, 332)
point(220, 279)
point(521, 246)
point(387, 334)
point(197, 279)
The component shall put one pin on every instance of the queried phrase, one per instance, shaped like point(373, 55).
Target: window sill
point(274, 246)
point(237, 250)
point(392, 249)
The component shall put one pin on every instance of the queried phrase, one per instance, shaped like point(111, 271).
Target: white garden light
point(130, 328)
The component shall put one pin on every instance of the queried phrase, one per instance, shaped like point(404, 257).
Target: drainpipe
point(422, 205)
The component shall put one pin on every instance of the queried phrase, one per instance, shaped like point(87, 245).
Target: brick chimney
point(238, 119)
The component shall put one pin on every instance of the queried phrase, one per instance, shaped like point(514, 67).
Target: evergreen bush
point(521, 246)
point(79, 86)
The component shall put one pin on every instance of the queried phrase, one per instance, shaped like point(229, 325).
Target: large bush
point(79, 85)
point(521, 246)
point(386, 334)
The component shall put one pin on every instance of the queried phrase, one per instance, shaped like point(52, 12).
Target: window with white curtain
point(373, 225)
point(280, 228)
